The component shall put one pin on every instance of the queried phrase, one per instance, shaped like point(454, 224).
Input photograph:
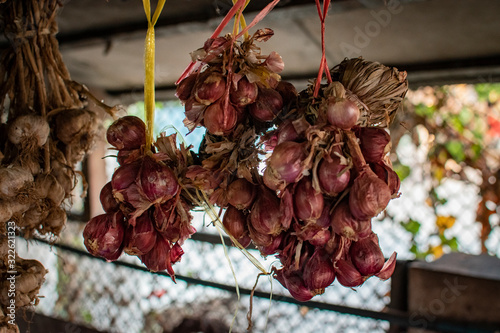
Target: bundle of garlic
point(47, 127)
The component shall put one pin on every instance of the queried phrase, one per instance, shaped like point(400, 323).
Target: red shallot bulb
point(108, 201)
point(219, 118)
point(128, 156)
point(235, 222)
point(141, 238)
point(104, 235)
point(347, 274)
point(342, 113)
point(285, 165)
point(346, 225)
point(388, 175)
point(273, 247)
point(308, 204)
point(287, 92)
point(185, 87)
point(267, 105)
point(319, 272)
point(295, 285)
point(127, 133)
point(241, 193)
point(209, 88)
point(374, 143)
point(156, 181)
point(244, 93)
point(265, 216)
point(367, 256)
point(369, 195)
point(160, 257)
point(333, 176)
point(123, 178)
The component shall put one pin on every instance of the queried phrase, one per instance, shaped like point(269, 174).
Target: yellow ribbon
point(149, 68)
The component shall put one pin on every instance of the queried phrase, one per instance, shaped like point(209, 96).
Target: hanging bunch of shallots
point(147, 209)
point(339, 176)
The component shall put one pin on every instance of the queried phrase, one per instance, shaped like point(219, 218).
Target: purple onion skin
point(319, 272)
point(210, 88)
point(346, 225)
point(159, 258)
point(265, 216)
point(156, 181)
point(367, 256)
point(285, 164)
point(308, 204)
point(235, 222)
point(388, 175)
point(125, 176)
point(347, 274)
point(185, 88)
point(374, 143)
point(241, 193)
point(267, 106)
point(342, 113)
point(369, 195)
point(245, 93)
point(295, 285)
point(104, 235)
point(127, 133)
point(220, 119)
point(287, 91)
point(333, 178)
point(108, 201)
point(141, 238)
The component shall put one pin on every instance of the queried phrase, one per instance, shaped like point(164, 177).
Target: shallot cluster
point(146, 214)
point(231, 83)
point(326, 176)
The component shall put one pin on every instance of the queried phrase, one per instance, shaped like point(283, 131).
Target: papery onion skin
point(287, 91)
point(185, 87)
point(388, 175)
point(13, 179)
point(333, 176)
point(367, 256)
point(342, 113)
point(245, 93)
point(219, 118)
point(156, 181)
point(210, 88)
point(265, 216)
point(234, 221)
point(285, 165)
point(159, 258)
point(369, 195)
point(295, 285)
point(267, 106)
point(127, 133)
point(31, 130)
point(308, 204)
point(104, 235)
point(374, 143)
point(241, 193)
point(125, 176)
point(108, 201)
point(347, 274)
point(318, 271)
point(141, 238)
point(346, 225)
